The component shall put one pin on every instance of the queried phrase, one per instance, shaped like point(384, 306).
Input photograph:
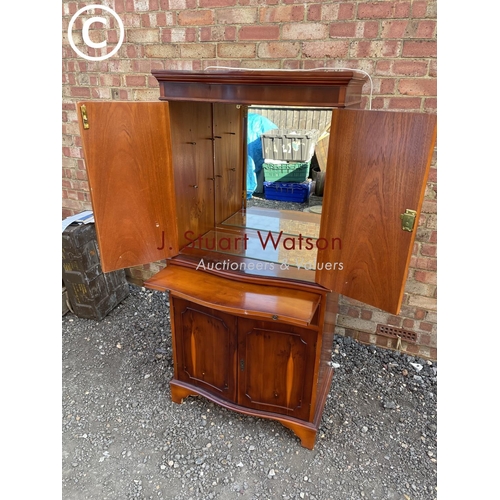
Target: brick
point(410, 68)
point(426, 327)
point(426, 29)
point(367, 29)
point(426, 263)
point(378, 10)
point(353, 312)
point(146, 95)
point(161, 51)
point(412, 349)
point(386, 85)
point(217, 3)
point(404, 103)
point(309, 31)
point(259, 33)
point(236, 50)
point(430, 105)
point(120, 66)
point(343, 29)
point(80, 91)
point(131, 20)
point(366, 314)
point(428, 250)
point(195, 17)
point(330, 12)
point(419, 9)
point(408, 324)
point(197, 50)
point(425, 302)
point(419, 48)
point(218, 34)
point(282, 14)
point(325, 49)
point(394, 29)
point(418, 86)
point(432, 221)
point(175, 35)
point(241, 15)
point(402, 9)
point(363, 337)
point(143, 36)
point(314, 12)
point(261, 63)
point(433, 68)
point(174, 4)
point(279, 49)
point(394, 320)
point(419, 288)
point(382, 341)
point(135, 81)
point(346, 11)
point(387, 48)
point(429, 206)
point(164, 19)
point(356, 323)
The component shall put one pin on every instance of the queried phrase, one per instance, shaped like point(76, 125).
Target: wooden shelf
point(250, 300)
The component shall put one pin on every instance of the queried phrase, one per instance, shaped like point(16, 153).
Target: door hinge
point(85, 118)
point(242, 364)
point(408, 220)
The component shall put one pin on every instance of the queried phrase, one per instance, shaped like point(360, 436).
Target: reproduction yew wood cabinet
point(254, 291)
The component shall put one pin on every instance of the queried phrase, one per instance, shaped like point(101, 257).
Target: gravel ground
point(123, 438)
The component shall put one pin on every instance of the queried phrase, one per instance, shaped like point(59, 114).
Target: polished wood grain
point(128, 159)
point(205, 341)
point(248, 300)
point(250, 270)
point(228, 159)
point(377, 167)
point(193, 163)
point(276, 371)
point(275, 87)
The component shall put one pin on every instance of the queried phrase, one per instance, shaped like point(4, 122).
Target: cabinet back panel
point(193, 157)
point(228, 158)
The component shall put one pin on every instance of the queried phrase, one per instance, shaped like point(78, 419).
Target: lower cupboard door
point(276, 368)
point(205, 344)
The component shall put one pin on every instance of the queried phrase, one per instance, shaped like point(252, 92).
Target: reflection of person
point(257, 125)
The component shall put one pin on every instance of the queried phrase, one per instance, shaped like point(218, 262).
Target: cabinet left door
point(128, 156)
point(205, 348)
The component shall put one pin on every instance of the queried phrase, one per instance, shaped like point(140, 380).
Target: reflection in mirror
point(283, 172)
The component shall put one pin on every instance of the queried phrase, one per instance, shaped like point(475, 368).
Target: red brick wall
point(394, 41)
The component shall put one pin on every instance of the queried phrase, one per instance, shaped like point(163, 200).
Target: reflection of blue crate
point(287, 191)
point(286, 172)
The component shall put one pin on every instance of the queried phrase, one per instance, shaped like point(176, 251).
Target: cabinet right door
point(276, 367)
point(377, 169)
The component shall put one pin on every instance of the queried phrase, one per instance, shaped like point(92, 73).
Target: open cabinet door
point(377, 169)
point(129, 165)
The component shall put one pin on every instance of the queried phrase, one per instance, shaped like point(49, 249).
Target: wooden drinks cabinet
point(254, 292)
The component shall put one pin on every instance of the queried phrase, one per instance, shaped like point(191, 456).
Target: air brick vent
point(394, 332)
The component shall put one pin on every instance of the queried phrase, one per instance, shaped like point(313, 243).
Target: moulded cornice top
point(322, 77)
